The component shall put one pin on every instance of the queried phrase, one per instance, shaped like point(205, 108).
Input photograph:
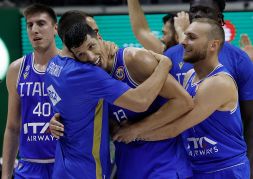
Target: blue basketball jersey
point(79, 91)
point(179, 67)
point(217, 143)
point(234, 60)
point(139, 160)
point(36, 141)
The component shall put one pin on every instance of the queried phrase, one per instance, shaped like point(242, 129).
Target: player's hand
point(126, 134)
point(181, 23)
point(160, 57)
point(56, 127)
point(111, 48)
point(246, 45)
point(244, 40)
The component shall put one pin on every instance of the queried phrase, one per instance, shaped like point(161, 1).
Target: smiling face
point(92, 50)
point(41, 30)
point(196, 42)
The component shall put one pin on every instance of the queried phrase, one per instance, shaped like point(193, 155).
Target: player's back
point(83, 151)
point(159, 159)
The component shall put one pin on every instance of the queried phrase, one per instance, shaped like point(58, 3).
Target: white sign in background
point(4, 59)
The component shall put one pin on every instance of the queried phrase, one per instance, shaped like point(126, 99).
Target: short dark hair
point(216, 31)
point(169, 17)
point(40, 8)
point(221, 4)
point(73, 28)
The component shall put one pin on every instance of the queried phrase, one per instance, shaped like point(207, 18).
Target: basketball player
point(212, 131)
point(234, 59)
point(129, 65)
point(29, 110)
point(79, 91)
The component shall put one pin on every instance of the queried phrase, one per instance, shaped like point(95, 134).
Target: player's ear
point(214, 45)
point(56, 29)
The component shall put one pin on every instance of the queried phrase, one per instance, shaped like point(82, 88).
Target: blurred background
point(113, 21)
point(21, 3)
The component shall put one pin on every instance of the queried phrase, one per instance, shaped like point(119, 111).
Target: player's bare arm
point(141, 29)
point(12, 131)
point(141, 64)
point(217, 93)
point(179, 103)
point(140, 98)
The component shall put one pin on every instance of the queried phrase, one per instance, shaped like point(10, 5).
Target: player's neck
point(204, 67)
point(42, 57)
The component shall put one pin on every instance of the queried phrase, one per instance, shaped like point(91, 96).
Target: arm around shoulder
point(140, 98)
point(216, 93)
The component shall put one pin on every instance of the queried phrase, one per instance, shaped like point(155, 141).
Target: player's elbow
point(13, 127)
point(187, 103)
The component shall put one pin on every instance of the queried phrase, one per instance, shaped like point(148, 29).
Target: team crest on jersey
point(26, 71)
point(54, 97)
point(25, 75)
point(181, 64)
point(120, 73)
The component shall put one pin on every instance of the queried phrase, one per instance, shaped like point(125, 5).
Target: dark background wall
point(10, 35)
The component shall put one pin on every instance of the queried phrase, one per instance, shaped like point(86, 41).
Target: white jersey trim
point(197, 82)
point(34, 69)
point(236, 105)
point(127, 73)
point(21, 67)
point(226, 168)
point(38, 160)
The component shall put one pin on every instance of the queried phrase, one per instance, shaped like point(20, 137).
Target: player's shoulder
point(231, 49)
point(220, 81)
point(139, 56)
point(140, 63)
point(132, 52)
point(13, 72)
point(15, 65)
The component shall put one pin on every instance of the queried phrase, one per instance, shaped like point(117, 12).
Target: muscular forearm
point(167, 131)
point(157, 134)
point(170, 111)
point(10, 149)
point(141, 29)
point(140, 98)
point(151, 87)
point(137, 16)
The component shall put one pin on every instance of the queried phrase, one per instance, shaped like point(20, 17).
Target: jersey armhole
point(187, 77)
point(21, 67)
